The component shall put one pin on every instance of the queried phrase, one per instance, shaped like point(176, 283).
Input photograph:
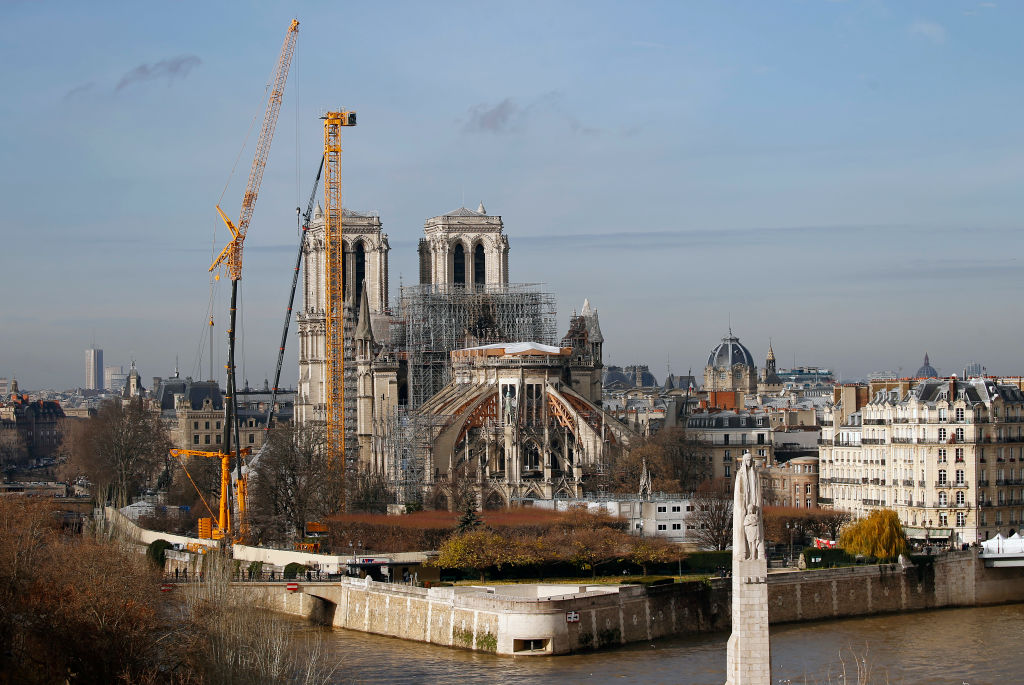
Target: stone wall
point(533, 620)
point(506, 623)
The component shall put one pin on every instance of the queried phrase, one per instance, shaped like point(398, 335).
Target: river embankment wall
point(544, 619)
point(539, 619)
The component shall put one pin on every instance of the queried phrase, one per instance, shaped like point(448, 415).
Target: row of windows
point(206, 439)
point(663, 508)
point(675, 526)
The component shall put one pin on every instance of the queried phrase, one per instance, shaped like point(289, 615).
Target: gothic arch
point(459, 263)
point(479, 259)
point(359, 267)
point(495, 500)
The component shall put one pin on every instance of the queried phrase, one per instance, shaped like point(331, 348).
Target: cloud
point(929, 30)
point(500, 118)
point(987, 5)
point(509, 115)
point(169, 69)
point(81, 90)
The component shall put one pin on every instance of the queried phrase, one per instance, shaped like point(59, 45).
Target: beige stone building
point(946, 455)
point(793, 483)
point(365, 266)
point(729, 433)
point(730, 367)
point(464, 247)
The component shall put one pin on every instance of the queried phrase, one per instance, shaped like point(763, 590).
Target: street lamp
point(791, 527)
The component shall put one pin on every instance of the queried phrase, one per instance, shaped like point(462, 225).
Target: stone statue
point(747, 521)
point(510, 406)
point(748, 654)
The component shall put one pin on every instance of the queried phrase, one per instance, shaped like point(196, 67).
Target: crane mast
point(335, 291)
point(231, 255)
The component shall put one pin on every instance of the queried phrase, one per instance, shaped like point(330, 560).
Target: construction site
point(368, 367)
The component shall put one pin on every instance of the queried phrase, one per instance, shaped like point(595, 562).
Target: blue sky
point(841, 177)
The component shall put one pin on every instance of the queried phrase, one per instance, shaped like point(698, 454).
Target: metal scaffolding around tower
point(407, 440)
point(434, 320)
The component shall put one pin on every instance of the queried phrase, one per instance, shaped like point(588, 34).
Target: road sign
point(292, 587)
point(166, 587)
point(572, 617)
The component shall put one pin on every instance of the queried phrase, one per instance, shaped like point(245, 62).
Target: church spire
point(364, 331)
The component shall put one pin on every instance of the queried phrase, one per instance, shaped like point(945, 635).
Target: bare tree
point(831, 521)
point(676, 460)
point(13, 450)
point(120, 450)
point(291, 483)
point(712, 515)
point(369, 493)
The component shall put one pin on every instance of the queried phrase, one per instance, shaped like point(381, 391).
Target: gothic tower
point(365, 266)
point(464, 248)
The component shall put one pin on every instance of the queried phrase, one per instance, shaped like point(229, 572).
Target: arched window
point(479, 265)
point(943, 499)
point(360, 268)
point(459, 264)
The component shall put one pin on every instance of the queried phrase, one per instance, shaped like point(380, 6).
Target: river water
point(978, 646)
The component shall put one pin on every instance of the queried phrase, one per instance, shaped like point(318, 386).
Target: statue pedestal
point(749, 656)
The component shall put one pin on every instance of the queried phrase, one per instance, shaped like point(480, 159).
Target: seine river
point(975, 646)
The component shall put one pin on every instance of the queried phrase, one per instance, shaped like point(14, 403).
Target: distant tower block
point(464, 248)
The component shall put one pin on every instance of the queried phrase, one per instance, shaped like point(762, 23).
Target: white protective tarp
point(519, 347)
point(1003, 545)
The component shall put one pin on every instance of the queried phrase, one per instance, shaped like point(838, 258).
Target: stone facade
point(730, 367)
point(748, 651)
point(728, 433)
point(464, 247)
point(948, 456)
point(366, 266)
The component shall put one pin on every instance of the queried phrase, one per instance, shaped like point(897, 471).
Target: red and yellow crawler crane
point(231, 256)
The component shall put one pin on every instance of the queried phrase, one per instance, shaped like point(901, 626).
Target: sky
point(839, 178)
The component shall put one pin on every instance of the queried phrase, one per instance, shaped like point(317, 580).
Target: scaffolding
point(435, 320)
point(408, 438)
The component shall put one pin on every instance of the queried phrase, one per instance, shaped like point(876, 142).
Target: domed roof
point(730, 351)
point(927, 371)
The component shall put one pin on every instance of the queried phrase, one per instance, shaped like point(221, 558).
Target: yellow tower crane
point(335, 324)
point(231, 256)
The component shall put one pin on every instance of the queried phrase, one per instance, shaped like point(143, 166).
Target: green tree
point(589, 548)
point(478, 549)
point(469, 520)
point(880, 535)
point(645, 551)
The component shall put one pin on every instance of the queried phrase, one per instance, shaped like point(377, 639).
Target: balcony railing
point(982, 483)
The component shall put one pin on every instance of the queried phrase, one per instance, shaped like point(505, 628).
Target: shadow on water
point(946, 646)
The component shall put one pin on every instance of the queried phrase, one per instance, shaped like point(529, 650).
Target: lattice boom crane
point(231, 255)
point(335, 325)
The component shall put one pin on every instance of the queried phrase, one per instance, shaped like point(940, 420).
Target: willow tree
point(880, 535)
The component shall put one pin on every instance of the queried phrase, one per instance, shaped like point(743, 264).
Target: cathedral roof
point(730, 351)
point(462, 211)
